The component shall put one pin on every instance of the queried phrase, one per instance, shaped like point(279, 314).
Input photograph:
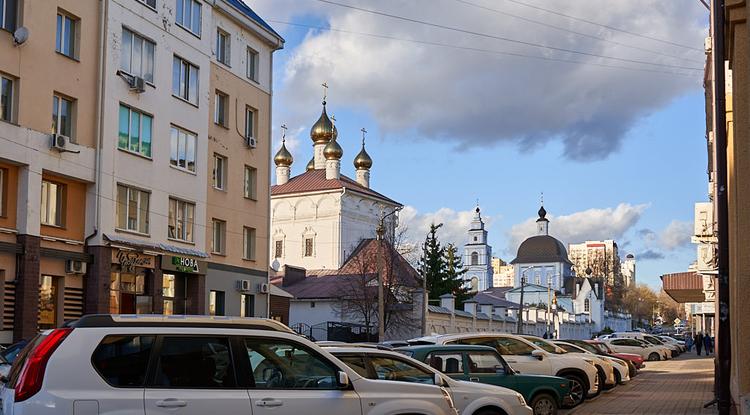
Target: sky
point(596, 104)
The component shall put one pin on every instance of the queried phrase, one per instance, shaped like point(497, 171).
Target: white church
point(477, 256)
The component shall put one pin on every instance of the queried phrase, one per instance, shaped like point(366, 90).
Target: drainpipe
point(724, 346)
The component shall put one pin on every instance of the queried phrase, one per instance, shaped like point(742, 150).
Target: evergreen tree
point(454, 272)
point(432, 265)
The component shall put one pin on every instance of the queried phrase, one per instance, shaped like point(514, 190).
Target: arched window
point(586, 306)
point(474, 258)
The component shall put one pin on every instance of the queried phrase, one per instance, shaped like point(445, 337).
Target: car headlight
point(521, 400)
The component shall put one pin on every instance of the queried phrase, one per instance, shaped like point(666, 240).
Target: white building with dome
point(320, 216)
point(477, 256)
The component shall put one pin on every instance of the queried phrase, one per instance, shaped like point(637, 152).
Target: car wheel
point(544, 404)
point(618, 377)
point(654, 357)
point(577, 389)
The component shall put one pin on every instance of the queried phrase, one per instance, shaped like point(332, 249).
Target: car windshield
point(588, 347)
point(547, 347)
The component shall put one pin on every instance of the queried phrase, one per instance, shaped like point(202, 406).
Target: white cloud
point(676, 235)
point(591, 224)
point(454, 229)
point(481, 98)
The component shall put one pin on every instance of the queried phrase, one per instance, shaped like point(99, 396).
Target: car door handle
point(473, 379)
point(510, 361)
point(171, 403)
point(269, 403)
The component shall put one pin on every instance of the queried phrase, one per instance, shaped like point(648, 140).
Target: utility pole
point(519, 319)
point(549, 303)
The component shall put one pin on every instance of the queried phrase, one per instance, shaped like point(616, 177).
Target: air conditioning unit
point(251, 142)
point(263, 288)
point(60, 142)
point(137, 84)
point(243, 285)
point(75, 267)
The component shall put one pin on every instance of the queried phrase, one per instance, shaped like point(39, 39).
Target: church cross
point(283, 134)
point(364, 131)
point(325, 90)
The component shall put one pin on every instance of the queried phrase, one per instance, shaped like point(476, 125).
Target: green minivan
point(483, 364)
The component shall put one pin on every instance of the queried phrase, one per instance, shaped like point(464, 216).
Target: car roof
point(446, 347)
point(188, 321)
point(447, 337)
point(335, 350)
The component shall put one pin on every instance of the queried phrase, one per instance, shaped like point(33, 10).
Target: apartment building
point(110, 206)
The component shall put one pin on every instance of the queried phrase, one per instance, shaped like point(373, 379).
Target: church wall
point(555, 270)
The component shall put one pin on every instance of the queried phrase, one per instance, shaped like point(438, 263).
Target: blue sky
point(625, 159)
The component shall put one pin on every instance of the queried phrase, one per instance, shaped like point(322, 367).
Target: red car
point(634, 361)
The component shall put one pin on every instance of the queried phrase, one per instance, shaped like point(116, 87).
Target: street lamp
point(519, 321)
point(380, 231)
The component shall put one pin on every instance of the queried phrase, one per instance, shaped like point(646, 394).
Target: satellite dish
point(21, 35)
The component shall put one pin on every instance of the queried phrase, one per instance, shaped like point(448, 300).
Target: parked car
point(635, 346)
point(483, 364)
point(634, 361)
point(8, 356)
point(470, 398)
point(674, 351)
point(621, 369)
point(526, 357)
point(605, 369)
point(197, 365)
point(679, 343)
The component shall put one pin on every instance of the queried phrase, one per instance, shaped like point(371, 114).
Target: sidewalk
point(677, 386)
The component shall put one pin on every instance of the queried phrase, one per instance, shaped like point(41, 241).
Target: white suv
point(471, 398)
point(155, 365)
point(646, 350)
point(526, 357)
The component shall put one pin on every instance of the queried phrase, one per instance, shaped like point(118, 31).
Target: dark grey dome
point(630, 256)
point(541, 248)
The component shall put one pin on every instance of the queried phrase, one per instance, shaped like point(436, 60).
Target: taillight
point(32, 373)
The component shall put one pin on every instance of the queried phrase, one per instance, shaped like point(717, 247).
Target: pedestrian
point(545, 335)
point(698, 342)
point(707, 344)
point(689, 342)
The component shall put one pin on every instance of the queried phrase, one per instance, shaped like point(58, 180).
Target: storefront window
point(174, 291)
point(127, 292)
point(247, 305)
point(47, 302)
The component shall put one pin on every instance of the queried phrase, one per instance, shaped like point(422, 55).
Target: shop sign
point(130, 260)
point(183, 264)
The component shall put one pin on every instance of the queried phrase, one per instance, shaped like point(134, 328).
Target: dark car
point(483, 364)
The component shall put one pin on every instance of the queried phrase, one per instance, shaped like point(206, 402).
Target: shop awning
point(684, 287)
point(155, 246)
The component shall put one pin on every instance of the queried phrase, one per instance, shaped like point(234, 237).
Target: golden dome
point(323, 130)
point(333, 151)
point(311, 165)
point(363, 161)
point(283, 157)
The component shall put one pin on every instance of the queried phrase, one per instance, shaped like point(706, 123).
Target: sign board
point(183, 264)
point(130, 260)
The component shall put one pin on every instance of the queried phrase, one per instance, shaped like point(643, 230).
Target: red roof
point(315, 180)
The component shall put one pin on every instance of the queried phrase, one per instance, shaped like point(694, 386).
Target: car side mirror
point(538, 354)
point(439, 381)
point(343, 380)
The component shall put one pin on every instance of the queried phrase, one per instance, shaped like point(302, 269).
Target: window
point(586, 305)
point(223, 45)
point(132, 209)
point(281, 364)
point(247, 305)
point(8, 15)
point(189, 15)
point(220, 172)
point(126, 291)
point(251, 180)
point(48, 298)
point(474, 258)
point(137, 55)
point(53, 195)
point(216, 303)
point(450, 363)
point(6, 98)
point(185, 80)
point(149, 3)
point(249, 243)
point(278, 249)
point(181, 220)
point(484, 362)
point(389, 368)
point(135, 131)
point(356, 363)
point(122, 360)
point(195, 362)
point(219, 237)
point(174, 291)
point(62, 116)
point(252, 64)
point(220, 108)
point(65, 39)
point(308, 246)
point(249, 122)
point(182, 149)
